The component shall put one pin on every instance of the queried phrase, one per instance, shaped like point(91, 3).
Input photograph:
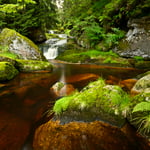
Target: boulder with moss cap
point(20, 45)
point(97, 101)
point(32, 65)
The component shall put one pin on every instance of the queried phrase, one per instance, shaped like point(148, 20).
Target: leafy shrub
point(140, 115)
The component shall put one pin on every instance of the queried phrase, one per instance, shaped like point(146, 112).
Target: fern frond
point(143, 106)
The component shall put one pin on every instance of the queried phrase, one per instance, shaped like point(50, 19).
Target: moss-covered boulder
point(97, 101)
point(32, 65)
point(7, 71)
point(20, 45)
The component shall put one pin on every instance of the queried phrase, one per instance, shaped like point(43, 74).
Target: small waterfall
point(54, 46)
point(51, 53)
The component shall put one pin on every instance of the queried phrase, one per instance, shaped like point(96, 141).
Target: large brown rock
point(86, 136)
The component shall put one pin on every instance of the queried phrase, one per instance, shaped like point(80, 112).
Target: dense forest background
point(25, 15)
point(98, 22)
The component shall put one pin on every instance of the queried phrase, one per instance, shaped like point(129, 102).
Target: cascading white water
point(51, 51)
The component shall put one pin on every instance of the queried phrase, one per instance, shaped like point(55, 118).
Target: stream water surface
point(24, 99)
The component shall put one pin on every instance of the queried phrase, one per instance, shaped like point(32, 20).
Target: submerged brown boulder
point(85, 136)
point(81, 79)
point(61, 89)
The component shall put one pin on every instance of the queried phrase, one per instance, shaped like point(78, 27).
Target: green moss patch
point(95, 101)
point(93, 56)
point(32, 65)
point(7, 71)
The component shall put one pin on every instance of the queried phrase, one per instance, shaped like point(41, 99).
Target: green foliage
point(143, 106)
point(74, 58)
point(143, 123)
point(113, 38)
point(140, 115)
point(62, 105)
point(94, 53)
point(24, 15)
point(83, 56)
point(109, 60)
point(103, 21)
point(138, 58)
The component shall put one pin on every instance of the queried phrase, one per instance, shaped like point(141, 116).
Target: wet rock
point(125, 84)
point(82, 79)
point(67, 89)
point(84, 136)
point(60, 89)
point(137, 41)
point(128, 84)
point(141, 85)
point(20, 45)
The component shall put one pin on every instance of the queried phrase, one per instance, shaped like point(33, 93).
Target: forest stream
point(74, 75)
point(24, 99)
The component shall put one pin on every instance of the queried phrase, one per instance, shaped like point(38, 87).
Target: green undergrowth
point(84, 56)
point(140, 113)
point(110, 99)
point(9, 55)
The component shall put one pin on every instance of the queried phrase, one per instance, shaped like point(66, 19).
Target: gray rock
point(20, 45)
point(137, 41)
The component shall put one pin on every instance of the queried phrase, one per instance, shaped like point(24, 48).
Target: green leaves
point(143, 106)
point(27, 1)
point(23, 15)
point(10, 8)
